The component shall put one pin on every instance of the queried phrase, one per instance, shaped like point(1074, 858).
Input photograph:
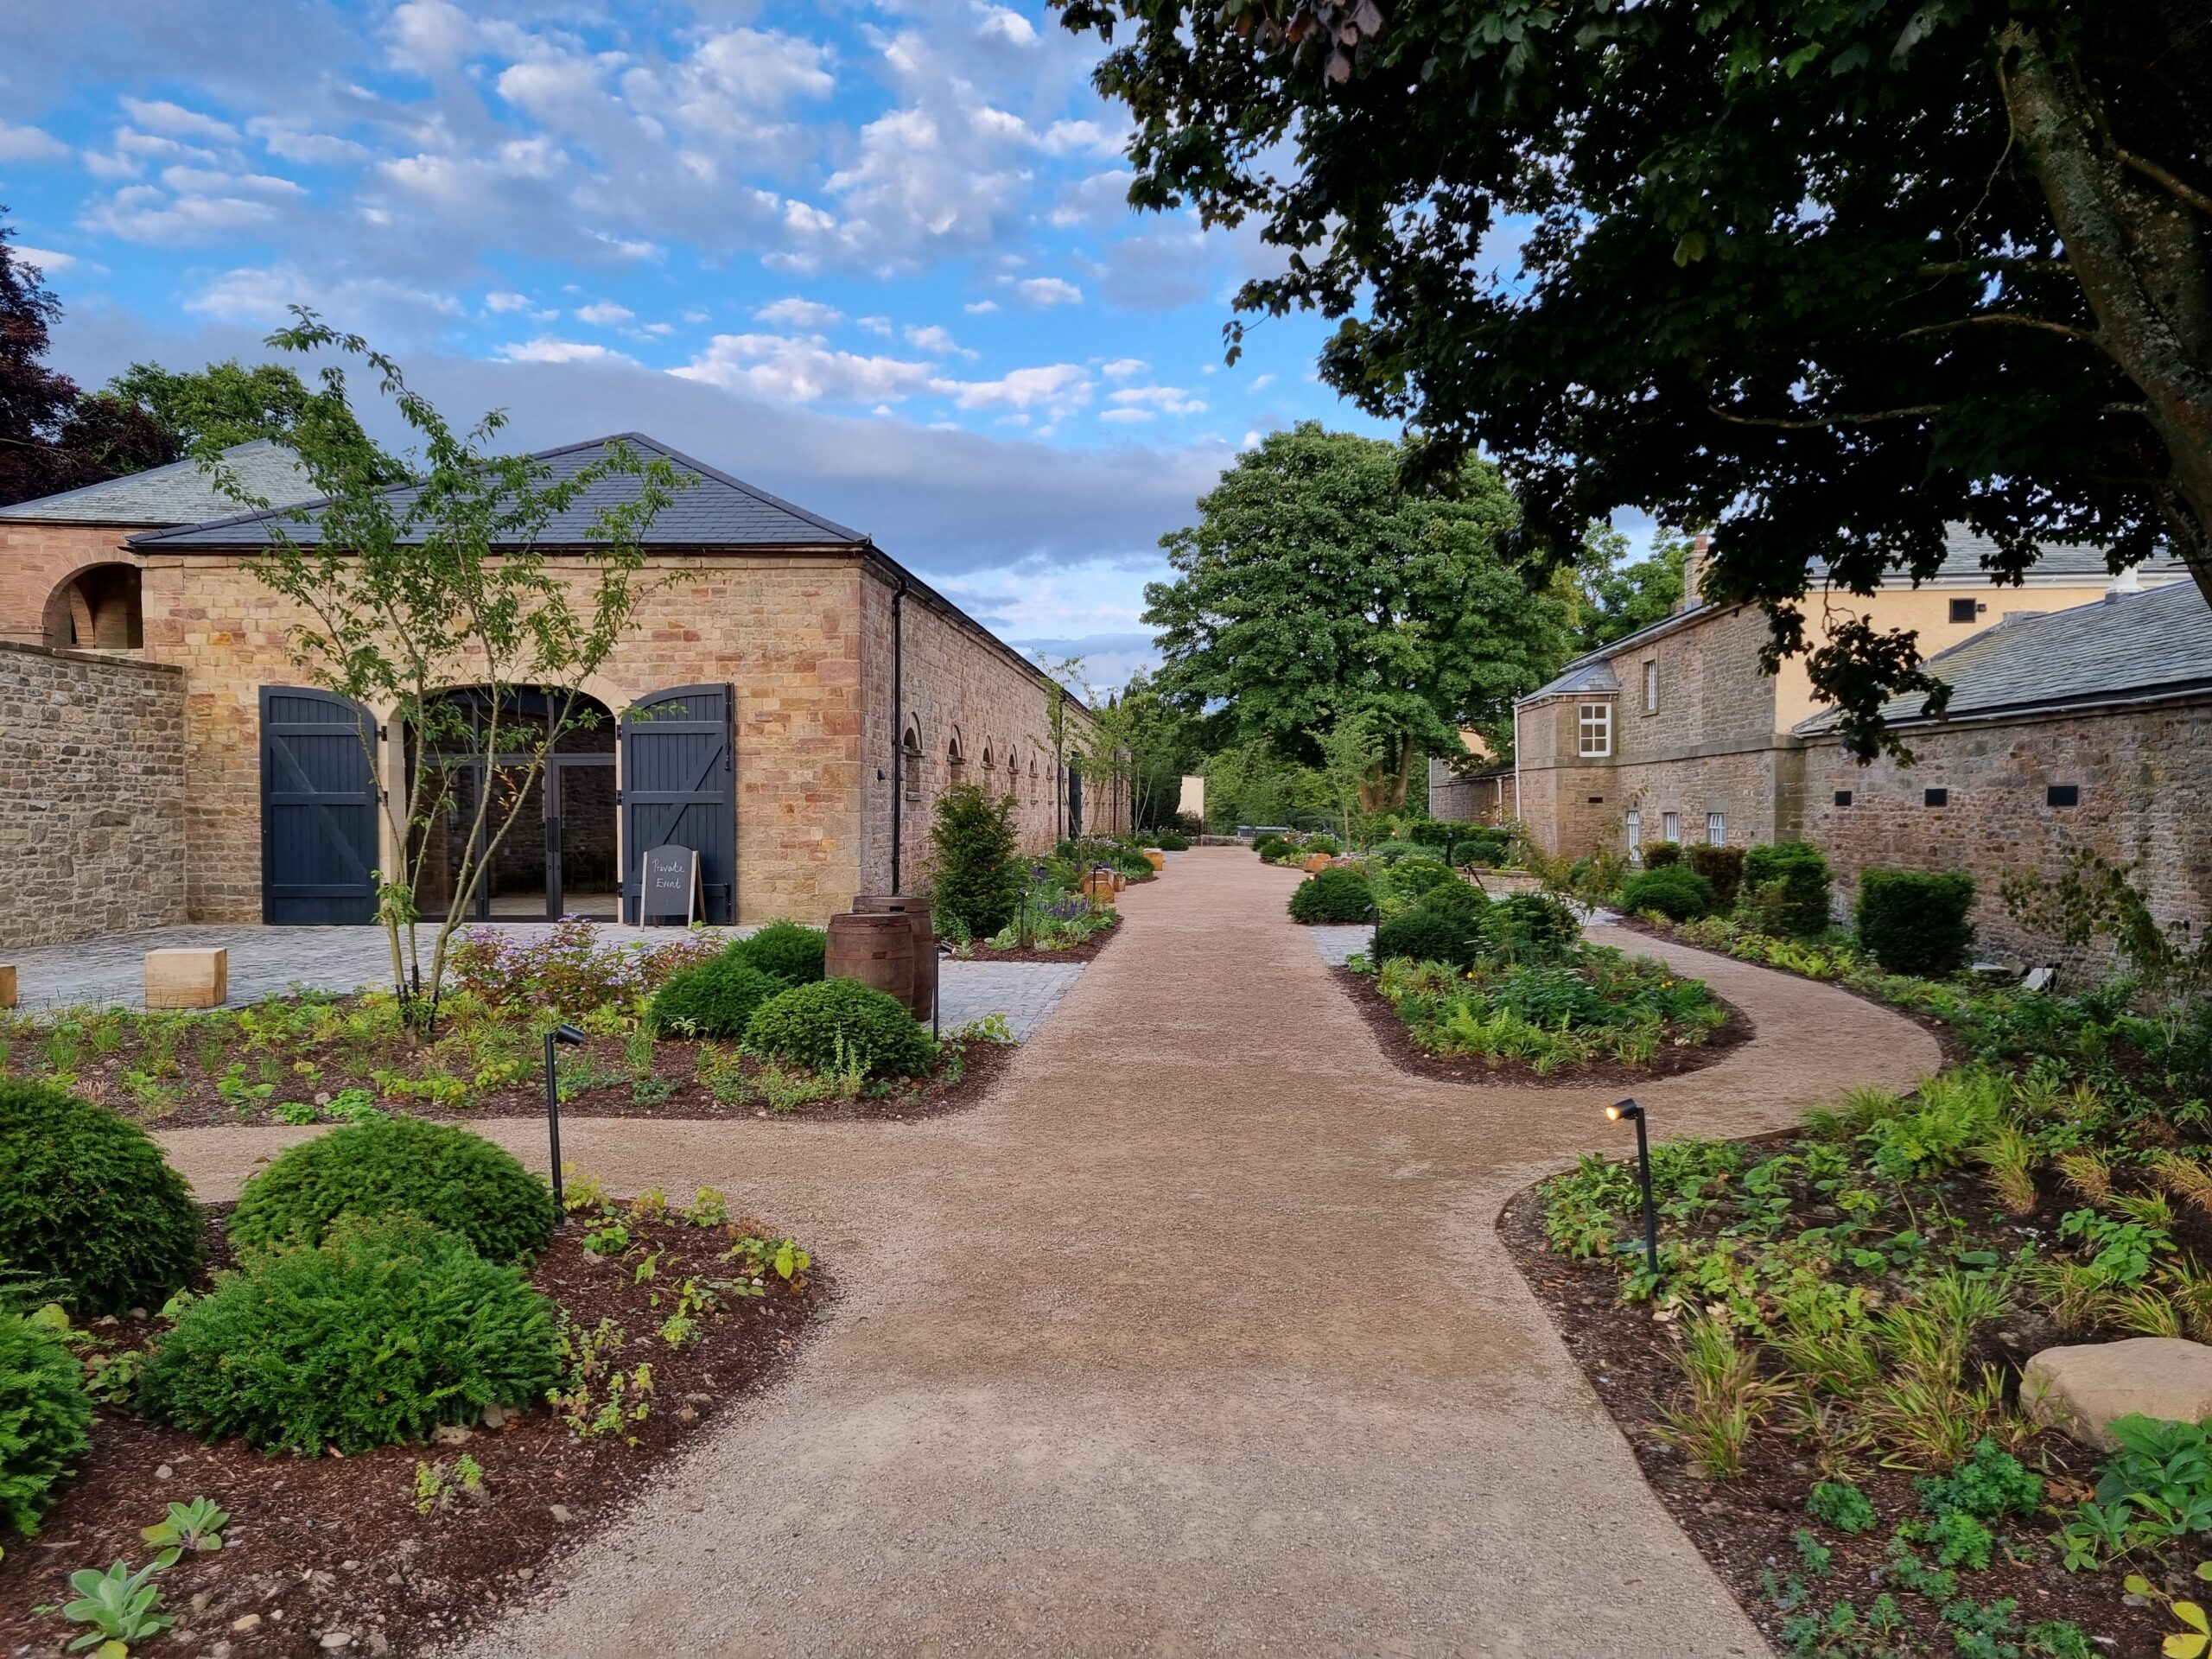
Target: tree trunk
point(2138, 248)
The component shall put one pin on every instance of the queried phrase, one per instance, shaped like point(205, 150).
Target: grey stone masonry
point(92, 795)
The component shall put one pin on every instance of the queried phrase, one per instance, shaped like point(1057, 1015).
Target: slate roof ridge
point(130, 490)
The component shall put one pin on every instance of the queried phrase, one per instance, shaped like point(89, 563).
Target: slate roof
point(1965, 554)
point(2157, 642)
point(1591, 673)
point(179, 493)
point(717, 511)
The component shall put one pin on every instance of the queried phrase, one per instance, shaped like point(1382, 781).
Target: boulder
point(2082, 1389)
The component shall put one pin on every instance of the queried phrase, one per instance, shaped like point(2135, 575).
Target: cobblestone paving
point(1338, 944)
point(109, 972)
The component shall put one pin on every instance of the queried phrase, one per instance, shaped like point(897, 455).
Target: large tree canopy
point(1314, 587)
point(211, 408)
point(52, 437)
point(1825, 274)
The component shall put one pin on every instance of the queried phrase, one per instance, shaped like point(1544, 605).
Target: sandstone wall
point(35, 559)
point(92, 795)
point(785, 631)
point(2145, 779)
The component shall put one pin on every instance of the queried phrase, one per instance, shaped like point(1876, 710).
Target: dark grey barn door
point(679, 788)
point(318, 809)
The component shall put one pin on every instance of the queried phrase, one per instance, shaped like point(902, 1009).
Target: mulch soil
point(320, 1547)
point(1396, 1039)
point(1749, 1525)
point(966, 1073)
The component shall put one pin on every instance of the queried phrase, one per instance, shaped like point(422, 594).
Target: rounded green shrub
point(1462, 899)
point(88, 1200)
point(1328, 845)
point(1528, 928)
point(1676, 891)
point(447, 1176)
point(1268, 846)
point(790, 952)
point(838, 1023)
point(1169, 840)
point(1724, 868)
point(1333, 895)
point(1916, 922)
point(1425, 935)
point(46, 1419)
point(381, 1334)
point(716, 999)
point(1390, 852)
point(1788, 883)
point(978, 882)
point(1659, 854)
point(1420, 873)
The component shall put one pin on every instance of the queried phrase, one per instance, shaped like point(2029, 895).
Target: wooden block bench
point(6, 984)
point(187, 978)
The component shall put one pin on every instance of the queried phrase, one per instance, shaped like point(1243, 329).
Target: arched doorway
point(558, 855)
point(98, 609)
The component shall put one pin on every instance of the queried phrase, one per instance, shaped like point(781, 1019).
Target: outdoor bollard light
point(561, 1033)
point(1629, 1109)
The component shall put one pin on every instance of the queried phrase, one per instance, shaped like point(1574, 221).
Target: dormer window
point(1594, 725)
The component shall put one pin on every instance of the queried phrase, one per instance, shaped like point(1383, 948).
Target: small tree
point(1347, 764)
point(978, 881)
point(412, 590)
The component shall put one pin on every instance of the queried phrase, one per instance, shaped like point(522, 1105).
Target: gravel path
point(1197, 1338)
point(111, 972)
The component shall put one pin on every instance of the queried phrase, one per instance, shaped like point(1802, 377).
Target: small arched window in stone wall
point(1032, 781)
point(956, 761)
point(910, 761)
point(988, 767)
point(96, 609)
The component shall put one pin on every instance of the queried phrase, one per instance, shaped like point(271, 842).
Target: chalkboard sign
point(672, 887)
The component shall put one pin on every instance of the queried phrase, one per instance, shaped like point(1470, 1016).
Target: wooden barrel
point(920, 918)
point(877, 951)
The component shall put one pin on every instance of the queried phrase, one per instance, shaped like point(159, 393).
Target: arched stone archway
point(97, 608)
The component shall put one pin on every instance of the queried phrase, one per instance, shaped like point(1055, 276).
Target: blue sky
point(873, 257)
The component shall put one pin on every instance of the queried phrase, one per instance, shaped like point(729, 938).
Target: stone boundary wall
point(92, 795)
point(2145, 777)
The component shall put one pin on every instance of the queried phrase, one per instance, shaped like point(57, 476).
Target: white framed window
point(1651, 688)
point(1670, 826)
point(1635, 837)
point(1716, 828)
point(1593, 727)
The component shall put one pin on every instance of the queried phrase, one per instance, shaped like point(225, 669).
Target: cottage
point(791, 703)
point(1674, 734)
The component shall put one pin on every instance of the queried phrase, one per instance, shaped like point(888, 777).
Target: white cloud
point(1260, 382)
point(787, 371)
point(1101, 199)
point(506, 301)
point(935, 340)
point(258, 297)
point(296, 144)
point(1125, 414)
point(631, 248)
point(1056, 386)
point(177, 122)
point(1169, 400)
point(140, 213)
point(45, 258)
point(698, 316)
point(876, 325)
point(543, 350)
point(732, 77)
point(1067, 138)
point(980, 307)
point(1012, 27)
point(1122, 368)
point(1047, 291)
point(604, 313)
point(21, 143)
point(797, 313)
point(200, 182)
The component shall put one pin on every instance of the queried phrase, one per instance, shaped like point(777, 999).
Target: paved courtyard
point(109, 972)
point(1196, 1337)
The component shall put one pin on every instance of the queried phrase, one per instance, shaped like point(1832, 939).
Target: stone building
point(2086, 730)
point(791, 703)
point(1674, 733)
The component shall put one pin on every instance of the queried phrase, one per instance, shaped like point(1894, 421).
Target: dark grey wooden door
point(318, 809)
point(679, 787)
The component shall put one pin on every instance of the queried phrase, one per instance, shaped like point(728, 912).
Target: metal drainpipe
point(898, 731)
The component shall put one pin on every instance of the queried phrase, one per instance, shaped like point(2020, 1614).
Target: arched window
point(988, 766)
point(955, 759)
point(910, 760)
point(96, 609)
point(1032, 781)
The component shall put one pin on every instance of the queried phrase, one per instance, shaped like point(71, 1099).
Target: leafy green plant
point(45, 1418)
point(1916, 922)
point(716, 999)
point(1423, 935)
point(977, 878)
point(88, 1200)
point(1337, 896)
point(448, 1176)
point(792, 952)
point(1676, 891)
point(2194, 1639)
point(385, 1330)
point(438, 1484)
point(197, 1526)
point(593, 1396)
point(1788, 883)
point(1839, 1504)
point(118, 1604)
point(841, 1022)
point(1727, 1397)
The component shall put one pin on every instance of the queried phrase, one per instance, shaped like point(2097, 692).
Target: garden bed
point(1397, 1041)
point(317, 1548)
point(1746, 1529)
point(313, 1060)
point(1082, 950)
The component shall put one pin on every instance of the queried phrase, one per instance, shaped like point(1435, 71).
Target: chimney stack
point(1694, 571)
